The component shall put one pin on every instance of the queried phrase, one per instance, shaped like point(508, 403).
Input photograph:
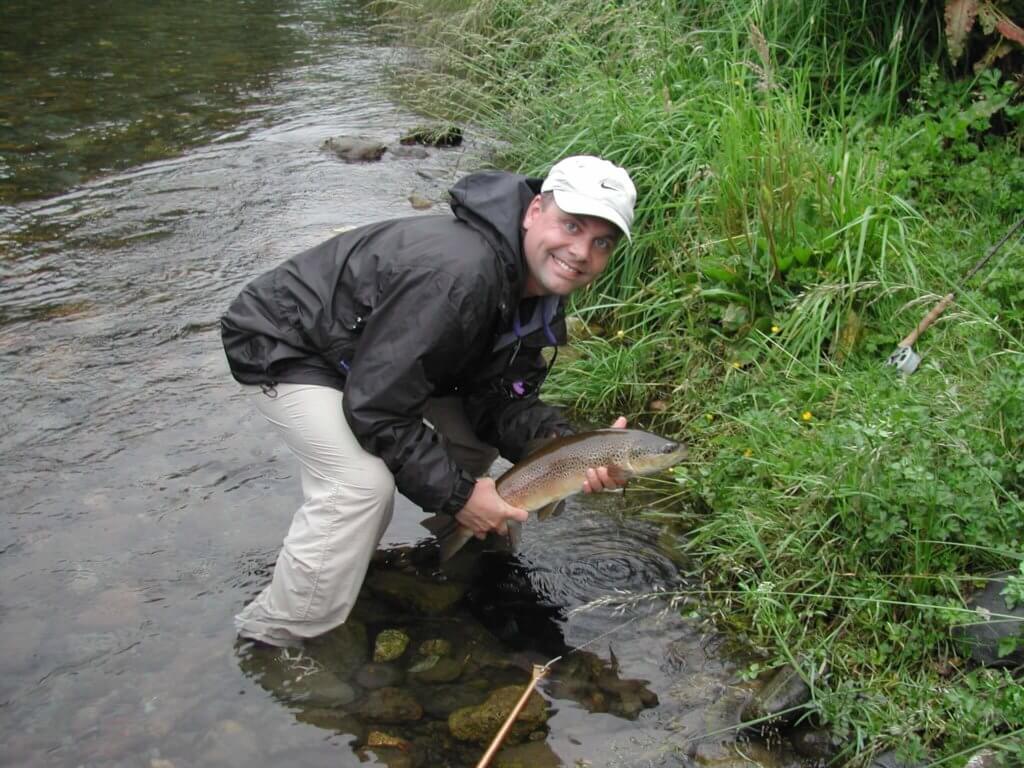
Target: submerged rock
point(411, 592)
point(480, 724)
point(445, 699)
point(409, 152)
point(376, 675)
point(389, 756)
point(436, 669)
point(342, 650)
point(296, 676)
point(355, 149)
point(336, 720)
point(390, 644)
point(533, 754)
point(389, 705)
point(382, 739)
point(435, 647)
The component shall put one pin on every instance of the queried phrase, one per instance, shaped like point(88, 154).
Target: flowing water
point(153, 158)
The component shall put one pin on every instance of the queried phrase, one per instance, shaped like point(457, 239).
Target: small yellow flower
point(619, 334)
point(776, 329)
point(709, 416)
point(737, 364)
point(748, 453)
point(806, 415)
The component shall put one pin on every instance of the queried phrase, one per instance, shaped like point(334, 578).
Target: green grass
point(813, 177)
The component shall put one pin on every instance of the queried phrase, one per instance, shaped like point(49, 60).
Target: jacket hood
point(493, 202)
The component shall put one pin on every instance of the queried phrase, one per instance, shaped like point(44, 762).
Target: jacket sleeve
point(405, 350)
point(507, 411)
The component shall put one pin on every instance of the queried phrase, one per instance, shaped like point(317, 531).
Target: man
point(408, 354)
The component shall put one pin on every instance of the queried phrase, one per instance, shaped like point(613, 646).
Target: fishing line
point(580, 647)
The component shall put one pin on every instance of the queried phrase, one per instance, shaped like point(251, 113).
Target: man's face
point(564, 251)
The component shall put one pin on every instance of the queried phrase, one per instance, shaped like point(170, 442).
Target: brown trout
point(558, 470)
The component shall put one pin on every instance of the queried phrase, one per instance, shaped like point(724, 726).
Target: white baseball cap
point(589, 186)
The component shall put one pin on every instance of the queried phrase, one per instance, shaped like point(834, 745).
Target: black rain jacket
point(401, 311)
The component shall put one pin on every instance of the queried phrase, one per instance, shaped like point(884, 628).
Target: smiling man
point(408, 354)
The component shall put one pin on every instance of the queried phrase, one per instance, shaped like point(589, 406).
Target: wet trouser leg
point(348, 502)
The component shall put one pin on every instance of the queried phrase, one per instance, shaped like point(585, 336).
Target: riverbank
point(811, 183)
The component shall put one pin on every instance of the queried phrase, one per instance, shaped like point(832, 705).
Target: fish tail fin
point(450, 534)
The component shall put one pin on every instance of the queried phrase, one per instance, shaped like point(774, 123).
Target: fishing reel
point(905, 360)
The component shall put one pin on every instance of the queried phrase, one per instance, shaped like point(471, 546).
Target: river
point(153, 158)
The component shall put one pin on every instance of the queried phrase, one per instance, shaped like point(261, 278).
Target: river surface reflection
point(153, 158)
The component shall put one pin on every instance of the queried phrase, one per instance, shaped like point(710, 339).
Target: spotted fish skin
point(559, 469)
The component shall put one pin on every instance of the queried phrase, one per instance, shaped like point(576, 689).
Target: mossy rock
point(390, 645)
point(480, 724)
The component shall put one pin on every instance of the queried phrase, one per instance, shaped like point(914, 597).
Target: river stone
point(480, 724)
point(390, 644)
point(445, 699)
point(388, 756)
point(435, 647)
point(751, 754)
point(409, 152)
point(414, 593)
point(355, 149)
point(817, 743)
point(419, 202)
point(785, 690)
point(443, 669)
point(984, 635)
point(383, 739)
point(294, 675)
point(389, 705)
point(375, 675)
point(532, 754)
point(342, 650)
point(336, 720)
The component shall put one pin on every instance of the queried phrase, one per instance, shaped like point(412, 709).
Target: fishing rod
point(539, 671)
point(905, 359)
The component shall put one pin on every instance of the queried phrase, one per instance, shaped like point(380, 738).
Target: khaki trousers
point(348, 502)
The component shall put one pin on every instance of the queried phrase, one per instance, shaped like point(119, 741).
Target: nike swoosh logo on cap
point(606, 185)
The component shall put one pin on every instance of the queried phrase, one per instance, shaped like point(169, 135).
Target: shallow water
point(153, 158)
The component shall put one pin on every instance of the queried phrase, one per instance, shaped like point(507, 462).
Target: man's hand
point(598, 478)
point(486, 511)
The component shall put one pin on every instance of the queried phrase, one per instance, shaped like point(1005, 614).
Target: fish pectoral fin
point(554, 509)
point(515, 534)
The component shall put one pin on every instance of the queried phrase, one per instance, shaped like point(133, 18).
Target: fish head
point(650, 453)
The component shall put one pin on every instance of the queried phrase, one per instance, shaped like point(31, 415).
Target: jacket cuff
point(463, 490)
